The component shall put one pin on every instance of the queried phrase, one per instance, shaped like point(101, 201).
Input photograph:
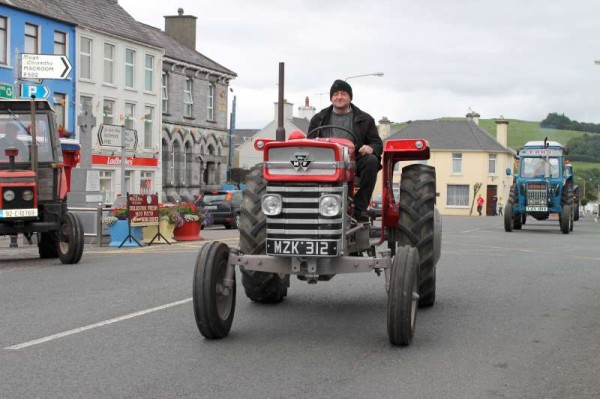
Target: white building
point(119, 75)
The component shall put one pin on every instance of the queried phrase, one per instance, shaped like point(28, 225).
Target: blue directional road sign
point(39, 91)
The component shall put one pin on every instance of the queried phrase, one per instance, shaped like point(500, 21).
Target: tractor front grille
point(300, 218)
point(537, 194)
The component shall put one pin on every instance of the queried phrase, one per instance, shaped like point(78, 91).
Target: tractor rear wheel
point(48, 245)
point(508, 217)
point(259, 286)
point(70, 239)
point(214, 303)
point(403, 296)
point(417, 225)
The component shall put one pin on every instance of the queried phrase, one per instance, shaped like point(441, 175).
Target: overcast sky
point(520, 59)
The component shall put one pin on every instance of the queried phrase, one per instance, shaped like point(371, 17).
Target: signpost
point(45, 66)
point(39, 91)
point(143, 210)
point(6, 90)
point(110, 136)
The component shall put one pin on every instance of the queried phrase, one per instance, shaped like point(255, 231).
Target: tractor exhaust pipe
point(280, 132)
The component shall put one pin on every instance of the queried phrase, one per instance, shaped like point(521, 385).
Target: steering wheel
point(319, 128)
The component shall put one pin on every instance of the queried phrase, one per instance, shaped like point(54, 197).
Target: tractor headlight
point(271, 204)
point(330, 205)
point(9, 195)
point(28, 195)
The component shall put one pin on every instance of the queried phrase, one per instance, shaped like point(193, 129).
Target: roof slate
point(451, 135)
point(103, 15)
point(177, 51)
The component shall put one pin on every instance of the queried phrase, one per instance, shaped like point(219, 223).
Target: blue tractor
point(541, 186)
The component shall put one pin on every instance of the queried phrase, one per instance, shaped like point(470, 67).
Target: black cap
point(340, 85)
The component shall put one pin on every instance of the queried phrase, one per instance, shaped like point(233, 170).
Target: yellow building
point(468, 162)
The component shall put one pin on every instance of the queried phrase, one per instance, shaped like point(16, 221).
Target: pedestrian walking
point(500, 205)
point(480, 202)
point(494, 206)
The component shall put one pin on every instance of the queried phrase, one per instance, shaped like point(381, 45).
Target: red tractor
point(296, 219)
point(34, 180)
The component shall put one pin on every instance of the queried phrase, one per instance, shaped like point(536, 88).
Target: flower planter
point(166, 229)
point(189, 231)
point(118, 232)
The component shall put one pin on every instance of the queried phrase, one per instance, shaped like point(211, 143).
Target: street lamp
point(378, 74)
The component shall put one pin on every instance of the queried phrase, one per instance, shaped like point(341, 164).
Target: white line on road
point(91, 326)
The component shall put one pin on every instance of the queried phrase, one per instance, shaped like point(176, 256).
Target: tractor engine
point(307, 196)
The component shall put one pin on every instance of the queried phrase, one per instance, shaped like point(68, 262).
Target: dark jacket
point(363, 126)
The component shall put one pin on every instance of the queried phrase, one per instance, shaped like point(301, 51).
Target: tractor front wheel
point(259, 286)
point(508, 217)
point(565, 219)
point(403, 296)
point(213, 295)
point(70, 239)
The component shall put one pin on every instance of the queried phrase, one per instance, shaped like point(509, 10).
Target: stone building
point(194, 133)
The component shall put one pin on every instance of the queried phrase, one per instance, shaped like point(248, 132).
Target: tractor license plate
point(301, 247)
point(18, 213)
point(536, 208)
point(210, 207)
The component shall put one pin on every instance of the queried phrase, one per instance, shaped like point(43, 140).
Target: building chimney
point(306, 112)
point(502, 131)
point(182, 28)
point(288, 110)
point(384, 128)
point(473, 116)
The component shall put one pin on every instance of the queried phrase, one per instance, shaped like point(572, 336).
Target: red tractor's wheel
point(70, 239)
point(214, 303)
point(48, 245)
point(403, 297)
point(417, 225)
point(259, 286)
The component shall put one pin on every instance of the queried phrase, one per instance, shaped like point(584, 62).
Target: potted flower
point(118, 228)
point(192, 217)
point(168, 219)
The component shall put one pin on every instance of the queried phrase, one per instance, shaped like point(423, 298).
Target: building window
point(458, 195)
point(129, 116)
point(60, 43)
point(109, 63)
point(107, 113)
point(210, 104)
point(145, 182)
point(188, 100)
point(492, 164)
point(149, 73)
point(3, 41)
point(456, 163)
point(148, 117)
point(165, 93)
point(128, 182)
point(31, 39)
point(85, 58)
point(60, 100)
point(129, 68)
point(106, 185)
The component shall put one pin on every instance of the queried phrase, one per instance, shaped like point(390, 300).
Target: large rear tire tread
point(213, 310)
point(259, 286)
point(416, 224)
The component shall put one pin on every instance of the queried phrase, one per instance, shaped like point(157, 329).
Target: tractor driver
point(368, 144)
point(11, 132)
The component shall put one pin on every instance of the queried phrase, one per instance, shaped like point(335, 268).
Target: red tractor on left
point(34, 180)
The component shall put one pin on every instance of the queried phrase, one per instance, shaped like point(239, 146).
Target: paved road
point(516, 317)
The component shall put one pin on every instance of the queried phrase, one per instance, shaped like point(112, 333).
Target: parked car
point(374, 209)
point(221, 207)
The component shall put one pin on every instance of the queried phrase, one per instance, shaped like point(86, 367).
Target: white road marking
point(96, 325)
